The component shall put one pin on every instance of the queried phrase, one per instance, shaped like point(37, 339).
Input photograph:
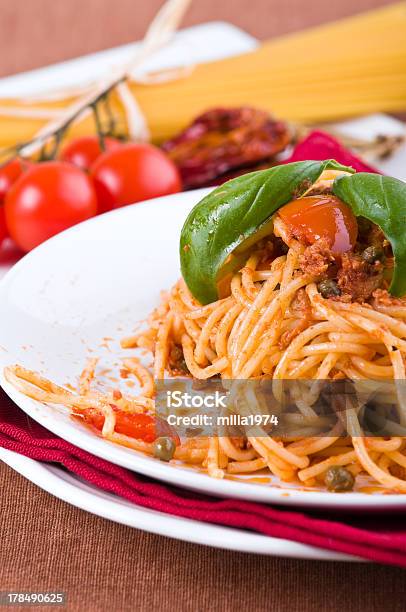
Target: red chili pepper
point(224, 140)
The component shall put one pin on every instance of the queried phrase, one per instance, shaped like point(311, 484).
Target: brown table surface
point(73, 28)
point(46, 544)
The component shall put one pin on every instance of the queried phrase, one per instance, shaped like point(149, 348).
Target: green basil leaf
point(233, 213)
point(382, 200)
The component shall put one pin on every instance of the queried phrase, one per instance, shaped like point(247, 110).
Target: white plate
point(95, 281)
point(75, 491)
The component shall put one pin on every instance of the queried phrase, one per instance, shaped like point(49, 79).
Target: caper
point(177, 359)
point(280, 247)
point(372, 254)
point(338, 479)
point(328, 288)
point(164, 448)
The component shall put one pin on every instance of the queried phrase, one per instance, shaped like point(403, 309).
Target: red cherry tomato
point(83, 152)
point(48, 198)
point(3, 226)
point(322, 216)
point(133, 173)
point(9, 173)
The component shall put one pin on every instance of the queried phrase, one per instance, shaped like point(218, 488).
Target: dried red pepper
point(225, 141)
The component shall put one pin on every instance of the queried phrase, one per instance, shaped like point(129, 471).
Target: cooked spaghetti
point(295, 310)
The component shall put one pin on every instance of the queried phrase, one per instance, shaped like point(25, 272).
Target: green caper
point(372, 254)
point(164, 448)
point(328, 288)
point(338, 479)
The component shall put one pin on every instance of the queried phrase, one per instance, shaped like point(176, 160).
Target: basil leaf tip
point(233, 215)
point(382, 200)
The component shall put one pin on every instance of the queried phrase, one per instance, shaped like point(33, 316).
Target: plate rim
point(169, 473)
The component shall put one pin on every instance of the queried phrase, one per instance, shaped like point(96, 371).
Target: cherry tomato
point(3, 226)
point(322, 216)
point(83, 152)
point(133, 173)
point(48, 198)
point(9, 173)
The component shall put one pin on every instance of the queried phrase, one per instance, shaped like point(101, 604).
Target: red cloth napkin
point(319, 145)
point(378, 538)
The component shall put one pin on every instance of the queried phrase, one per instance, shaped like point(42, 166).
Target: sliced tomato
point(139, 426)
